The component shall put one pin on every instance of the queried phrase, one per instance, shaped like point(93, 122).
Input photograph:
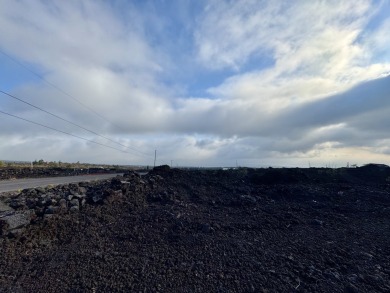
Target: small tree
point(2, 164)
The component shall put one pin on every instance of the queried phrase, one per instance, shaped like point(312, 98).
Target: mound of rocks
point(17, 210)
point(37, 172)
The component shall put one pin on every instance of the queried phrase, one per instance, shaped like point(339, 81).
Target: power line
point(61, 118)
point(70, 96)
point(64, 132)
point(57, 88)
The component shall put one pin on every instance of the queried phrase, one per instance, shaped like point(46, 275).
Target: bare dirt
point(276, 230)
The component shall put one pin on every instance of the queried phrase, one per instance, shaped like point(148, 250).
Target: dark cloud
point(360, 101)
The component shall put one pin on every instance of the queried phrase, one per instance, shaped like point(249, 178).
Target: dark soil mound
point(199, 231)
point(280, 176)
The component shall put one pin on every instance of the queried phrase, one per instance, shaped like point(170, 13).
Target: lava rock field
point(244, 230)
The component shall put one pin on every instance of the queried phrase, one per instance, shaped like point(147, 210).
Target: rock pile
point(17, 210)
point(16, 173)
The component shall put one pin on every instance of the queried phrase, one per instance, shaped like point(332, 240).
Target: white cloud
point(303, 103)
point(231, 32)
point(72, 33)
point(377, 42)
point(83, 48)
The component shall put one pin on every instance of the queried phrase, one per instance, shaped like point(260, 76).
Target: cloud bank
point(213, 83)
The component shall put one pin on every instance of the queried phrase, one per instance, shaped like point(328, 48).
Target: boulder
point(14, 221)
point(4, 207)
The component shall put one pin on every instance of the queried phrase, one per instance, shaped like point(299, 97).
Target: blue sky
point(206, 83)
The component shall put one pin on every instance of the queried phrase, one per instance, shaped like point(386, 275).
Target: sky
point(204, 83)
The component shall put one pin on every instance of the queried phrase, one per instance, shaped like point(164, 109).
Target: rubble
point(36, 172)
point(198, 231)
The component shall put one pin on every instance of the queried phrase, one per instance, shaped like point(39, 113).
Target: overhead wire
point(64, 132)
point(70, 96)
point(70, 122)
point(57, 87)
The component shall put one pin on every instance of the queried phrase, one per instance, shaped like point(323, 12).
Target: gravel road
point(12, 185)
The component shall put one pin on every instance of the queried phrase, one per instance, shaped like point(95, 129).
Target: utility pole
point(171, 163)
point(155, 156)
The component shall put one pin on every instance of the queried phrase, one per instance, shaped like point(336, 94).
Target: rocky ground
point(38, 172)
point(201, 231)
